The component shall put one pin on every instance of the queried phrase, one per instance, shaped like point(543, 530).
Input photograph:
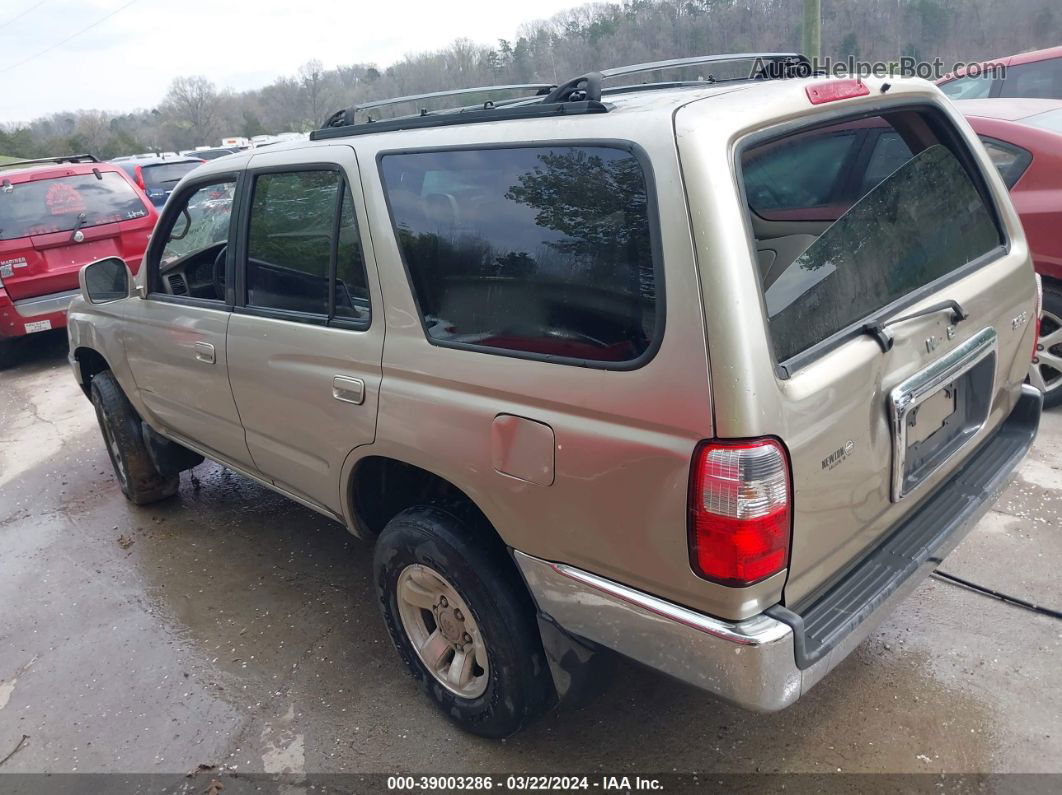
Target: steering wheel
point(219, 272)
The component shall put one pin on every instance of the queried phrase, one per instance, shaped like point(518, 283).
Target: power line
point(17, 17)
point(74, 35)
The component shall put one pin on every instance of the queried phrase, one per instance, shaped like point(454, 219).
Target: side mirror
point(105, 280)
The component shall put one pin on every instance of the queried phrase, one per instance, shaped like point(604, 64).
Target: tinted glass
point(797, 173)
point(1039, 80)
point(61, 204)
point(166, 175)
point(923, 220)
point(289, 245)
point(203, 223)
point(540, 250)
point(889, 153)
point(978, 87)
point(352, 291)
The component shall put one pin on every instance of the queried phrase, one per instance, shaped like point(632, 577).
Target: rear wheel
point(1046, 373)
point(463, 624)
point(141, 482)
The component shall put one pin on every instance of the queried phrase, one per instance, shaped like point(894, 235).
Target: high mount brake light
point(140, 178)
point(740, 510)
point(833, 90)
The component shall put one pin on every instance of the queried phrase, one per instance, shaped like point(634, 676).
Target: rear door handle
point(349, 390)
point(204, 352)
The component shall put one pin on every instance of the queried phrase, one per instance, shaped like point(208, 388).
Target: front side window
point(541, 251)
point(304, 252)
point(64, 204)
point(195, 242)
point(912, 215)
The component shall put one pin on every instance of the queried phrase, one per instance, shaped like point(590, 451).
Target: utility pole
point(813, 29)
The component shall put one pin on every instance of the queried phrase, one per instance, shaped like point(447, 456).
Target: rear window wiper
point(81, 218)
point(878, 330)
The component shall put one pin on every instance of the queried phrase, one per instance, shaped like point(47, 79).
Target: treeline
point(194, 111)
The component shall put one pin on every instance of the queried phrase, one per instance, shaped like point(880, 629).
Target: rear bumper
point(30, 315)
point(767, 662)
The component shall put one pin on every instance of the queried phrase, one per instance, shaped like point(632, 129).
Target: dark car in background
point(157, 177)
point(1033, 75)
point(56, 215)
point(1024, 138)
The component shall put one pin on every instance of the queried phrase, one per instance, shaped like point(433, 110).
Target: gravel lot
point(232, 627)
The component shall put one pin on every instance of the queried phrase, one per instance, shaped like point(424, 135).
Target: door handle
point(349, 390)
point(204, 352)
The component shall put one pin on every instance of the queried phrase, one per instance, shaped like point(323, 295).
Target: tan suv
point(706, 372)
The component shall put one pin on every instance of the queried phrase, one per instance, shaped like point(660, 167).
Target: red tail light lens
point(833, 90)
point(740, 511)
point(140, 178)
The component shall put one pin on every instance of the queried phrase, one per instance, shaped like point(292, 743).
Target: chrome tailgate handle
point(349, 390)
point(204, 352)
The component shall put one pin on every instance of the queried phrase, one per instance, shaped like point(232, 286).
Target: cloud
point(128, 61)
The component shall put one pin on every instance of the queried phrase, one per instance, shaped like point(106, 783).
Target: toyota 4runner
point(706, 372)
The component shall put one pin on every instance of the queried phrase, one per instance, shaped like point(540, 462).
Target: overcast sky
point(128, 60)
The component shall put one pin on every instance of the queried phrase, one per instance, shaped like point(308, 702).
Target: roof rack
point(345, 117)
point(579, 95)
point(60, 159)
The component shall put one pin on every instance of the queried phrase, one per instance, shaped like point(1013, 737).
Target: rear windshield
point(849, 218)
point(63, 203)
point(166, 175)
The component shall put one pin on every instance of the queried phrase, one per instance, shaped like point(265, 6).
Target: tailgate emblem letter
point(932, 343)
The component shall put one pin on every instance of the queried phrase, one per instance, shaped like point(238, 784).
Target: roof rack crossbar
point(346, 116)
point(86, 158)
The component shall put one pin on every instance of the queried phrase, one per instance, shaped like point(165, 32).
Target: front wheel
point(459, 617)
point(141, 482)
point(1046, 373)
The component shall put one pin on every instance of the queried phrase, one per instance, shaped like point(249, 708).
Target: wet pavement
point(232, 627)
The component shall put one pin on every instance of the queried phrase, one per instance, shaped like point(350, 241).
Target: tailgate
point(53, 225)
point(897, 298)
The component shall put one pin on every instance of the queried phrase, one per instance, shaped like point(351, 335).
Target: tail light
point(832, 90)
point(1039, 312)
point(740, 510)
point(139, 174)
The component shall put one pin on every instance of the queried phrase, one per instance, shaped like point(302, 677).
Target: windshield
point(65, 203)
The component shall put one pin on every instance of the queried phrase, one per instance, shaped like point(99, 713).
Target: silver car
point(705, 372)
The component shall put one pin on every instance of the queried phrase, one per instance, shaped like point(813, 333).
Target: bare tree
point(193, 104)
point(312, 78)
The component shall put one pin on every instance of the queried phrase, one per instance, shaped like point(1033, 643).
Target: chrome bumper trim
point(750, 663)
point(45, 304)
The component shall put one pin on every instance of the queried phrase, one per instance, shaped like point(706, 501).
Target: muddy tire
point(461, 620)
point(1046, 373)
point(141, 482)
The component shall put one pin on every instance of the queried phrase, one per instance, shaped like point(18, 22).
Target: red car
point(1024, 138)
point(1032, 75)
point(57, 214)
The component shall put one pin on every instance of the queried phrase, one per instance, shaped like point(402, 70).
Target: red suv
point(57, 214)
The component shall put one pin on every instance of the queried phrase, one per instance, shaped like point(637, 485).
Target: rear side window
point(1038, 80)
point(66, 203)
point(304, 252)
point(541, 251)
point(904, 213)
